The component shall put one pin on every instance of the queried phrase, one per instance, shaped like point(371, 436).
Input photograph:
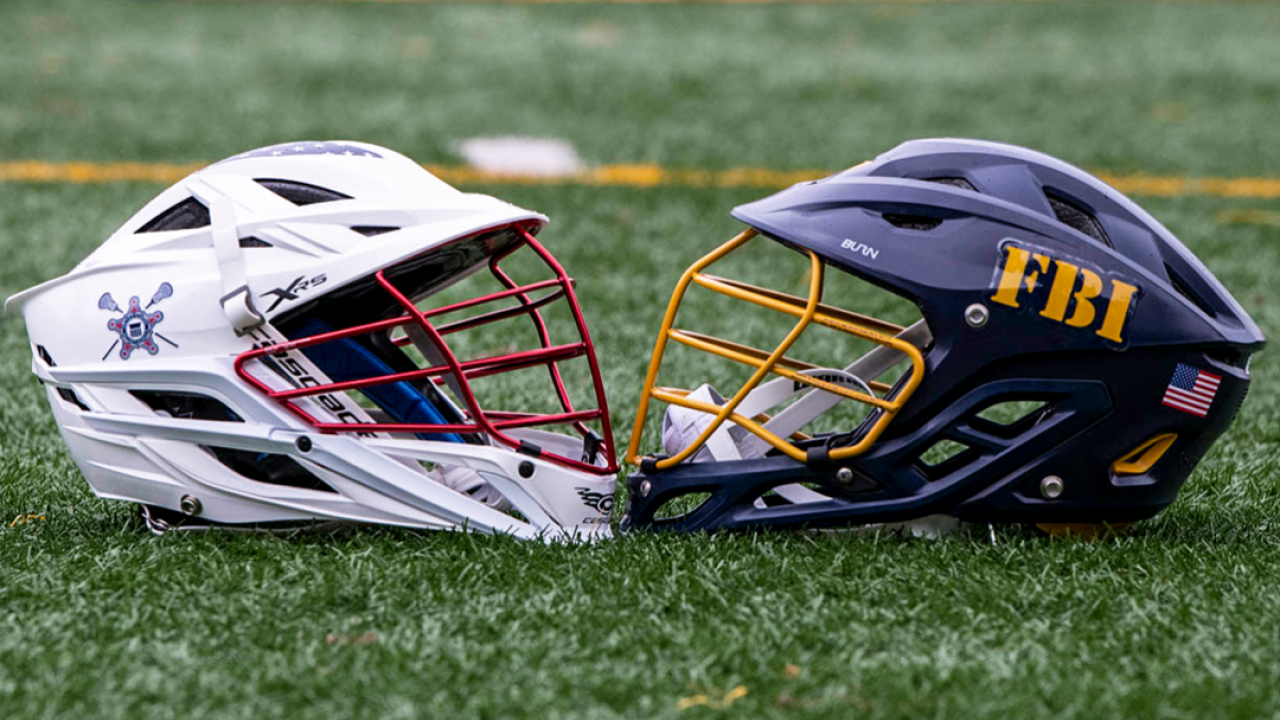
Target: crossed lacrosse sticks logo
point(136, 326)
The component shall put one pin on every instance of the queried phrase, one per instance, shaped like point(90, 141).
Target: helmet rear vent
point(254, 242)
point(45, 356)
point(912, 222)
point(186, 215)
point(300, 193)
point(371, 230)
point(957, 182)
point(1182, 289)
point(1229, 356)
point(70, 396)
point(1077, 218)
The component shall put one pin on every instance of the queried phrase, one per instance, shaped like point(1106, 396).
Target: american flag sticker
point(1191, 390)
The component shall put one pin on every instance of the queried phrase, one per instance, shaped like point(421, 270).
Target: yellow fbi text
point(1064, 291)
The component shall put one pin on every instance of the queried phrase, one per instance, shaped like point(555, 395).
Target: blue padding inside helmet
point(347, 359)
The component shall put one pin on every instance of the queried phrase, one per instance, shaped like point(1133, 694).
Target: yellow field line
point(1247, 216)
point(634, 176)
point(93, 173)
point(692, 2)
point(620, 2)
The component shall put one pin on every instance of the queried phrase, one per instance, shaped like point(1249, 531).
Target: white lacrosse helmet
point(264, 343)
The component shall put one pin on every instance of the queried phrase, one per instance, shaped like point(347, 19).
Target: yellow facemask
point(894, 343)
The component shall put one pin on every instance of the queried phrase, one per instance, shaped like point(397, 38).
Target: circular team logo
point(136, 327)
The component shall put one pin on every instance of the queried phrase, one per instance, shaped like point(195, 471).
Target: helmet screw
point(526, 469)
point(645, 488)
point(976, 315)
point(844, 476)
point(190, 505)
point(303, 443)
point(1051, 487)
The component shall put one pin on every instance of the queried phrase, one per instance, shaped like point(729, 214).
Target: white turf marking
point(541, 157)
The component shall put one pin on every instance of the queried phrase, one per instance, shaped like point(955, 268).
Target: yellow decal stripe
point(1141, 459)
point(634, 176)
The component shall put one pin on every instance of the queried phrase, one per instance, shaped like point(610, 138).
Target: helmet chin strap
point(681, 426)
point(435, 357)
point(870, 366)
point(236, 300)
point(462, 479)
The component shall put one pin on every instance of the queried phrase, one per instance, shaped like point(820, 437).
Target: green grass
point(99, 619)
point(1178, 88)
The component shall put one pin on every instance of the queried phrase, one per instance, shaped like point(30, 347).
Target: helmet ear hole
point(186, 405)
point(269, 469)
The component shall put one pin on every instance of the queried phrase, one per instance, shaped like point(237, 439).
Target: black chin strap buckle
point(591, 443)
point(818, 457)
point(649, 463)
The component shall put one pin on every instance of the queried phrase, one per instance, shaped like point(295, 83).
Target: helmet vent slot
point(70, 396)
point(1228, 356)
point(45, 356)
point(371, 230)
point(269, 469)
point(912, 222)
point(944, 457)
point(956, 182)
point(253, 242)
point(186, 406)
point(681, 505)
point(1185, 291)
point(186, 215)
point(942, 451)
point(1077, 218)
point(1011, 412)
point(300, 193)
point(1011, 417)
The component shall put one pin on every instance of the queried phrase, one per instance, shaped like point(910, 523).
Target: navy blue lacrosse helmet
point(1071, 364)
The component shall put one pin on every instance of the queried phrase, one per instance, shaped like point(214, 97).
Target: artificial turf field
point(1179, 619)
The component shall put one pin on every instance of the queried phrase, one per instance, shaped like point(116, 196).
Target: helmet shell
point(145, 312)
point(957, 224)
